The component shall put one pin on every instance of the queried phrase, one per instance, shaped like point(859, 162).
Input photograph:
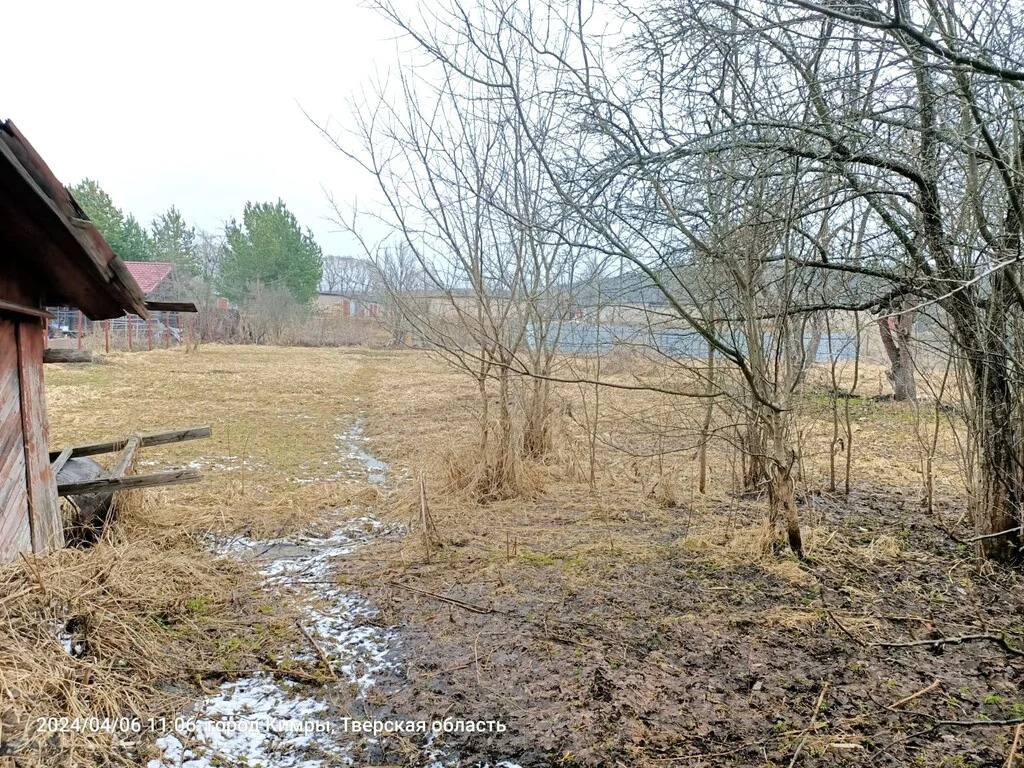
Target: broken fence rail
point(128, 447)
point(130, 482)
point(145, 441)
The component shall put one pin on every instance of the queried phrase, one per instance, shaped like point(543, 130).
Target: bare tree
point(756, 166)
point(348, 276)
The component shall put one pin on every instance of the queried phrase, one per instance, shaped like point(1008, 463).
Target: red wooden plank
point(15, 533)
point(44, 508)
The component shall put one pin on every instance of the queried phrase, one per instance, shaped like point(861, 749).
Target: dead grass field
point(633, 623)
point(639, 623)
point(154, 616)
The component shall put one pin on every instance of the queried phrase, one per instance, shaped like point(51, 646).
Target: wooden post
point(45, 525)
point(78, 322)
point(128, 330)
point(167, 330)
point(106, 336)
point(425, 516)
point(149, 331)
point(188, 333)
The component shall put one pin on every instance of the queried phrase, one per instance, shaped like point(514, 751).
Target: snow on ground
point(261, 722)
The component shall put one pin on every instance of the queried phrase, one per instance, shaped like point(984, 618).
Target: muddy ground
point(673, 658)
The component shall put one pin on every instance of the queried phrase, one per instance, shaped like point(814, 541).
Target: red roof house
point(149, 274)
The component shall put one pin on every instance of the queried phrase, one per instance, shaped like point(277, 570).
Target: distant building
point(155, 278)
point(347, 306)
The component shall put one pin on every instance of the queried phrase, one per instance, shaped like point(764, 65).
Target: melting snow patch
point(258, 721)
point(253, 722)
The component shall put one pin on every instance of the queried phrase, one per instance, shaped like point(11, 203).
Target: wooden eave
point(49, 241)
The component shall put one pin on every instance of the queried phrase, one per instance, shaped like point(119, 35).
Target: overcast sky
point(193, 104)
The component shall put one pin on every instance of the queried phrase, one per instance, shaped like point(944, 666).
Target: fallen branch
point(451, 600)
point(1013, 749)
point(845, 631)
point(927, 689)
point(319, 651)
point(979, 723)
point(810, 725)
point(999, 640)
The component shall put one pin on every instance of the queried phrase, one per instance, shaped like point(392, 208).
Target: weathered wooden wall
point(29, 509)
point(43, 506)
point(15, 532)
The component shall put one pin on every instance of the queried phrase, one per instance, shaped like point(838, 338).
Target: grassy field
point(635, 622)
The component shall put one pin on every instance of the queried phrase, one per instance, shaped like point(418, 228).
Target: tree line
point(266, 251)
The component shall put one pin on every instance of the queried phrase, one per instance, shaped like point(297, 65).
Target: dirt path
point(261, 720)
point(265, 720)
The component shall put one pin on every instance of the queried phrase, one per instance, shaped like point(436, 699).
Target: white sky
point(195, 104)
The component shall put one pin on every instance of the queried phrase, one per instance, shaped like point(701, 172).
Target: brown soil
point(612, 633)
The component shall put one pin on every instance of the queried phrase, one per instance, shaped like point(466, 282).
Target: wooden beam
point(111, 484)
point(124, 459)
point(60, 461)
point(145, 441)
point(53, 355)
point(10, 307)
point(171, 306)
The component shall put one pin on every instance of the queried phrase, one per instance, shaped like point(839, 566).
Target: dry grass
point(157, 613)
point(148, 612)
point(117, 631)
point(646, 460)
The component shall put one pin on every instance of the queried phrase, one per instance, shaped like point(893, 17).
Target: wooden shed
point(50, 253)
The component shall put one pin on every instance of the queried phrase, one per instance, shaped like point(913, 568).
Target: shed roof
point(49, 243)
point(149, 274)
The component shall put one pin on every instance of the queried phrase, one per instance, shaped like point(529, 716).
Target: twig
point(453, 601)
point(35, 572)
point(994, 535)
point(980, 723)
point(999, 640)
point(846, 632)
point(319, 651)
point(927, 689)
point(425, 516)
point(810, 725)
point(1013, 749)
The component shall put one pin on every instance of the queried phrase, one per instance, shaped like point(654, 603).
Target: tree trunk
point(755, 450)
point(537, 422)
point(897, 333)
point(999, 490)
point(782, 514)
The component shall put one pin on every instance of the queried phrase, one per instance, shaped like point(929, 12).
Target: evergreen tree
point(175, 241)
point(269, 248)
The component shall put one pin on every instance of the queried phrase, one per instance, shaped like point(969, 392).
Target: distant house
point(51, 255)
point(155, 278)
point(346, 306)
